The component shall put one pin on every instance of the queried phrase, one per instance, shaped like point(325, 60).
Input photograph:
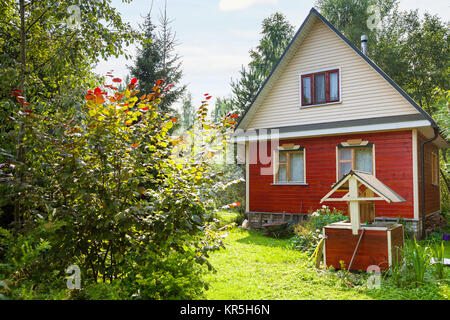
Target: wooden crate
point(378, 246)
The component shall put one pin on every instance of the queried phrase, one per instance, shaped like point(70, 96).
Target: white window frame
point(276, 154)
point(355, 146)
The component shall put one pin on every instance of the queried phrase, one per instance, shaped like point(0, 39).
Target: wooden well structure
point(361, 242)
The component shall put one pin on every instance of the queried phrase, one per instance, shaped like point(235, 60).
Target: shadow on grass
point(256, 237)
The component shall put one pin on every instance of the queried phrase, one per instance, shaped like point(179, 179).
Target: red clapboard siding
point(393, 163)
point(432, 192)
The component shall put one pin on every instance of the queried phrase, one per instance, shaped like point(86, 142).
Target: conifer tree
point(157, 59)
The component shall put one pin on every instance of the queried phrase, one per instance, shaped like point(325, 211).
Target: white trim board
point(343, 130)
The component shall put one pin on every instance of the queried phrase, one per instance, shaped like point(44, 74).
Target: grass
point(254, 267)
point(227, 217)
point(447, 249)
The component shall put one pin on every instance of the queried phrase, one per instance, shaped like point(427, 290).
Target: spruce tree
point(157, 59)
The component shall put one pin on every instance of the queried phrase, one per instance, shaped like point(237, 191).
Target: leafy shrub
point(171, 275)
point(308, 234)
point(304, 239)
point(325, 216)
point(414, 265)
point(438, 252)
point(417, 260)
point(111, 181)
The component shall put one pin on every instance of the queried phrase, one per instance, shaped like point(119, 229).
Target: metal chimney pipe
point(364, 44)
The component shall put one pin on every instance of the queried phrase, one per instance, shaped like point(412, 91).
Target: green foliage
point(222, 107)
point(397, 269)
point(413, 267)
point(45, 57)
point(324, 216)
point(157, 59)
point(108, 185)
point(308, 234)
point(188, 114)
point(350, 17)
point(304, 239)
point(100, 291)
point(171, 275)
point(438, 252)
point(417, 260)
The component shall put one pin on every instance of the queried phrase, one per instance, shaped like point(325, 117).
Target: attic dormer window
point(320, 87)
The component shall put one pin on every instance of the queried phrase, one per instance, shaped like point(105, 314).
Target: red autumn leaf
point(234, 116)
point(20, 99)
point(174, 120)
point(16, 92)
point(97, 91)
point(99, 99)
point(168, 87)
point(108, 86)
point(144, 108)
point(206, 94)
point(28, 111)
point(135, 145)
point(133, 81)
point(208, 97)
point(117, 80)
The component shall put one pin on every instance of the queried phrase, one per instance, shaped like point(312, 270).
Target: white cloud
point(232, 5)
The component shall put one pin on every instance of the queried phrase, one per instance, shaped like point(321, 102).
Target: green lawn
point(258, 267)
point(447, 250)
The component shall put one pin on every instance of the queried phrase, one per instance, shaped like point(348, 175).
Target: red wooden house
point(325, 109)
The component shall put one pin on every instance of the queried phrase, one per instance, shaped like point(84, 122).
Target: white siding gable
point(365, 93)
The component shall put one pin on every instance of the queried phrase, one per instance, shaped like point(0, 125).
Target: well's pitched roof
point(293, 46)
point(370, 182)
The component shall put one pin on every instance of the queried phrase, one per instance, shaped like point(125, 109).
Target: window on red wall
point(320, 87)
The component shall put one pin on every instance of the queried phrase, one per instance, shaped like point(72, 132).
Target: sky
point(215, 36)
